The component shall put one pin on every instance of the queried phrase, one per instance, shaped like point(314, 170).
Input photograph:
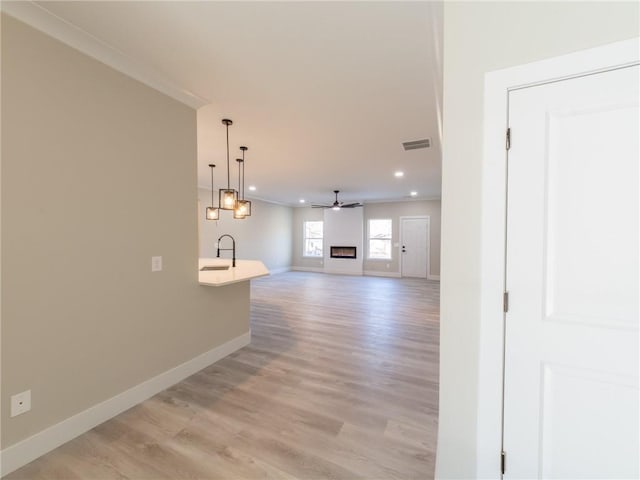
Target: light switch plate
point(20, 403)
point(156, 264)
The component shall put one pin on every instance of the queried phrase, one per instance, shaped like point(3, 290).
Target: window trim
point(305, 238)
point(390, 239)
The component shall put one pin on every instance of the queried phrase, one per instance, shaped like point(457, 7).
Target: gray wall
point(98, 175)
point(394, 211)
point(265, 235)
point(480, 37)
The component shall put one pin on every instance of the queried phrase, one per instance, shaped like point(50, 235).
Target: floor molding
point(374, 273)
point(308, 269)
point(343, 272)
point(29, 449)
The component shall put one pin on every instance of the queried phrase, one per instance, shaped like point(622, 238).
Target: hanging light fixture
point(244, 206)
point(228, 196)
point(213, 213)
point(239, 211)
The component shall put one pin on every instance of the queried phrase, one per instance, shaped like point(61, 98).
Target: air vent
point(426, 143)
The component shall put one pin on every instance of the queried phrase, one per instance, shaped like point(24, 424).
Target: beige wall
point(98, 175)
point(265, 235)
point(481, 37)
point(394, 211)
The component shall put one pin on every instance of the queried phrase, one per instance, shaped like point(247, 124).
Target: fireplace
point(343, 252)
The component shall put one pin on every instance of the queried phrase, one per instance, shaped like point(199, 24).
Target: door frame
point(414, 217)
point(493, 224)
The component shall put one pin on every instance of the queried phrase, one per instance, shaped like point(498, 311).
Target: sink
point(214, 267)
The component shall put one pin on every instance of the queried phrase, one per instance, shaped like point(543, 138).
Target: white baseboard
point(27, 450)
point(374, 273)
point(308, 269)
point(434, 277)
point(343, 272)
point(275, 271)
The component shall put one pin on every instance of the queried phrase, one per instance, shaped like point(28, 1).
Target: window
point(380, 239)
point(312, 239)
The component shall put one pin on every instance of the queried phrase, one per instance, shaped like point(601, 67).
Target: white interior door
point(571, 331)
point(414, 236)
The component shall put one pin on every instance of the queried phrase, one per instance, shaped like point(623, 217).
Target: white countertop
point(243, 271)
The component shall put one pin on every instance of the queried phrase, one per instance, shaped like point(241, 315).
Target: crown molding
point(38, 17)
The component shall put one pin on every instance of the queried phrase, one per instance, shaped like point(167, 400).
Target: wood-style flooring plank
point(340, 382)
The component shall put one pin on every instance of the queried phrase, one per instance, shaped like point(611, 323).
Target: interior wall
point(480, 37)
point(98, 176)
point(395, 210)
point(299, 262)
point(343, 228)
point(265, 235)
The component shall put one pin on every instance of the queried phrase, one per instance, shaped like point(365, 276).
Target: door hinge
point(508, 144)
point(503, 461)
point(505, 302)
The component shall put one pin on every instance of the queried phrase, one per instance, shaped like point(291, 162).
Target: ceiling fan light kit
point(337, 205)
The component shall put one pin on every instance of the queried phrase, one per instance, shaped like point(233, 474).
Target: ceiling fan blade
point(351, 205)
point(320, 206)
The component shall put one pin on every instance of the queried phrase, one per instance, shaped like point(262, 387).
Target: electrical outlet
point(156, 264)
point(20, 403)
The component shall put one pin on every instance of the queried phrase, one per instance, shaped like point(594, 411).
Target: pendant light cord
point(228, 174)
point(239, 191)
point(243, 174)
point(212, 167)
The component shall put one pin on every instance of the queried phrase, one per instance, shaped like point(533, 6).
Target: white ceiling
point(322, 93)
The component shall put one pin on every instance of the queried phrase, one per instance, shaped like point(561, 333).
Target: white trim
point(38, 17)
point(21, 453)
point(428, 218)
point(374, 273)
point(343, 272)
point(308, 269)
point(276, 271)
point(497, 85)
point(433, 277)
point(368, 240)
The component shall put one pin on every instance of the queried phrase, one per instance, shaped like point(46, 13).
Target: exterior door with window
point(414, 246)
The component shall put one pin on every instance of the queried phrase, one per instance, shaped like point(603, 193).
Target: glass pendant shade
point(213, 213)
point(244, 206)
point(228, 198)
point(238, 214)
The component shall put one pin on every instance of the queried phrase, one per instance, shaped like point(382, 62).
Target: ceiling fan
point(338, 205)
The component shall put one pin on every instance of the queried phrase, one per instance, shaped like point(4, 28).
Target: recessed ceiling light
point(301, 200)
point(414, 193)
point(252, 188)
point(399, 174)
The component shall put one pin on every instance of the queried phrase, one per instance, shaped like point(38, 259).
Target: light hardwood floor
point(340, 382)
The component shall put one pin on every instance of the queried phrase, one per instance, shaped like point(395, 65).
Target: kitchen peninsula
point(218, 272)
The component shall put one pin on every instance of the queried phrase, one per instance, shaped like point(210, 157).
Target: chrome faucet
point(233, 260)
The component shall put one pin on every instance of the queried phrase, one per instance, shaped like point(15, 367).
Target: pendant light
point(244, 206)
point(240, 211)
point(213, 213)
point(228, 196)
